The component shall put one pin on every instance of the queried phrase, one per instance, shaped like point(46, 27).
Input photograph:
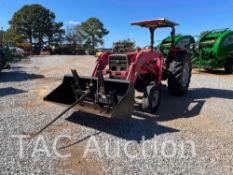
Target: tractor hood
point(130, 55)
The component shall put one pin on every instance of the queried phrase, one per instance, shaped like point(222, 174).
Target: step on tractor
point(180, 41)
point(214, 50)
point(110, 91)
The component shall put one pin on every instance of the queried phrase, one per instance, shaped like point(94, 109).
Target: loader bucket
point(118, 104)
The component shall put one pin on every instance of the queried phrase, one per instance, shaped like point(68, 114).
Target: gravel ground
point(204, 116)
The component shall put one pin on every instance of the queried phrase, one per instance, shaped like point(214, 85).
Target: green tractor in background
point(180, 40)
point(214, 50)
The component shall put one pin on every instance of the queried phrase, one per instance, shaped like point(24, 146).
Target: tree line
point(37, 25)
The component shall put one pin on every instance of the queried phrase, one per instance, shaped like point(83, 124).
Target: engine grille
point(118, 62)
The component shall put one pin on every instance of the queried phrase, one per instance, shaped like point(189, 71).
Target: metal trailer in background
point(214, 49)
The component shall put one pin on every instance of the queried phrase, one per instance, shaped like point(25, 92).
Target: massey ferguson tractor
point(110, 91)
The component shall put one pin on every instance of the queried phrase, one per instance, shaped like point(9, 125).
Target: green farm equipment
point(184, 41)
point(214, 50)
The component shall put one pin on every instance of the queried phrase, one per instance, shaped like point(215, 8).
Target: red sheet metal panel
point(155, 23)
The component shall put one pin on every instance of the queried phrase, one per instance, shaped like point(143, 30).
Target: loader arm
point(101, 63)
point(146, 60)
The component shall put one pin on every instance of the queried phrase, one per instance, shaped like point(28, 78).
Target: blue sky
point(193, 16)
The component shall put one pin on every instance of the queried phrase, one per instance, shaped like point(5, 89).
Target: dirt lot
point(204, 116)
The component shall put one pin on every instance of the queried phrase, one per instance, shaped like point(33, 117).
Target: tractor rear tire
point(151, 98)
point(179, 74)
point(229, 66)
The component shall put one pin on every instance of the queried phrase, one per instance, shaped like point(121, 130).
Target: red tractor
point(110, 91)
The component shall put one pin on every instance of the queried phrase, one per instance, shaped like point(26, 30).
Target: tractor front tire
point(151, 98)
point(229, 66)
point(179, 74)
